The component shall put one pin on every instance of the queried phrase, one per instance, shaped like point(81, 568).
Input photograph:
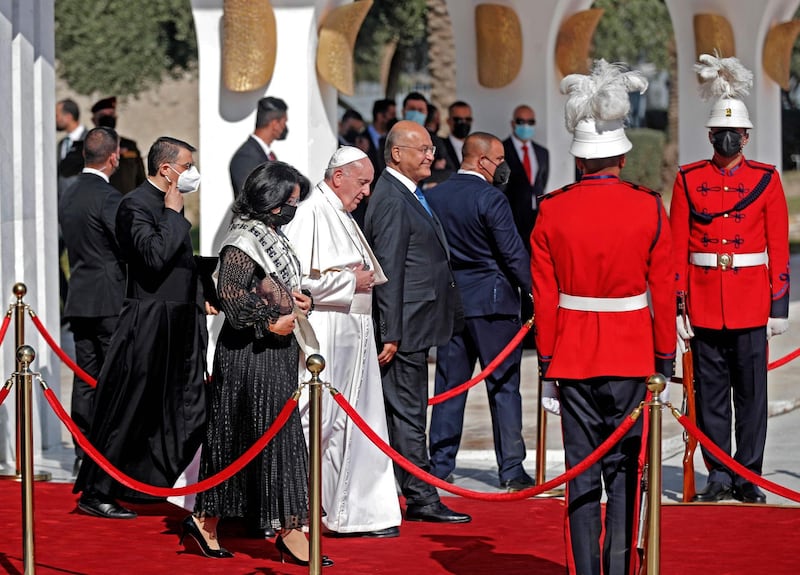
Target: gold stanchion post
point(20, 289)
point(656, 383)
point(24, 377)
point(315, 364)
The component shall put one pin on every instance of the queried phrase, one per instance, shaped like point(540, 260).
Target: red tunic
point(603, 238)
point(733, 298)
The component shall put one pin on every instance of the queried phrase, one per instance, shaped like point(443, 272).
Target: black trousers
point(92, 336)
point(590, 412)
point(405, 394)
point(731, 362)
point(482, 339)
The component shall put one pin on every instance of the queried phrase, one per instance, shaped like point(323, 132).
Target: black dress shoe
point(377, 534)
point(435, 513)
point(260, 533)
point(714, 491)
point(518, 483)
point(749, 493)
point(104, 507)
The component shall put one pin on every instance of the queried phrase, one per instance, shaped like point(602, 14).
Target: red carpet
point(504, 538)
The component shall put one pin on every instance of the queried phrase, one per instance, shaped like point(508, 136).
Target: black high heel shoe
point(190, 528)
point(283, 548)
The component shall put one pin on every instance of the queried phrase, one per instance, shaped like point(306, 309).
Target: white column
point(28, 210)
point(750, 22)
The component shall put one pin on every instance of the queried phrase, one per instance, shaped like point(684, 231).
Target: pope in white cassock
point(358, 486)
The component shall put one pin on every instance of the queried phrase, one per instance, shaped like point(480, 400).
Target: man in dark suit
point(130, 173)
point(459, 121)
point(87, 213)
point(491, 267)
point(418, 308)
point(271, 120)
point(530, 168)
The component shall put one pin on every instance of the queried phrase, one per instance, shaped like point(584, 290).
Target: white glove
point(550, 400)
point(776, 326)
point(685, 332)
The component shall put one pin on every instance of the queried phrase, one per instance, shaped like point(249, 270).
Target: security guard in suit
point(130, 173)
point(730, 232)
point(599, 247)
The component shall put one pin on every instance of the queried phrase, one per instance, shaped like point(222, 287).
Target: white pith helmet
point(724, 81)
point(597, 107)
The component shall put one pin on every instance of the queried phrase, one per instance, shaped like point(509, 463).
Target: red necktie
point(526, 161)
point(271, 157)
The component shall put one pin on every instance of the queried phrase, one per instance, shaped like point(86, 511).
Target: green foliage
point(388, 21)
point(643, 162)
point(122, 47)
point(633, 30)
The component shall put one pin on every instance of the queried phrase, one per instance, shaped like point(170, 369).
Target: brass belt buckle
point(724, 261)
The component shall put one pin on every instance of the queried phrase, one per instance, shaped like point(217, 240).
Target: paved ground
point(476, 466)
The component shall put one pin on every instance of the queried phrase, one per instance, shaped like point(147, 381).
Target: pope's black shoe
point(376, 534)
point(749, 493)
point(714, 491)
point(436, 512)
point(103, 507)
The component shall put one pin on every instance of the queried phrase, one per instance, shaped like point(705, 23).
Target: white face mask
point(188, 180)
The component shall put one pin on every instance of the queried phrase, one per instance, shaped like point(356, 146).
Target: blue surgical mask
point(415, 116)
point(524, 131)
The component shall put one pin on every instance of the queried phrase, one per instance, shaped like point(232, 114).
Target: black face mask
point(461, 129)
point(284, 133)
point(107, 122)
point(283, 217)
point(351, 135)
point(501, 174)
point(727, 143)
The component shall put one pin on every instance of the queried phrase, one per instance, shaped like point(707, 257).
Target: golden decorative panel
point(249, 44)
point(337, 40)
point(777, 56)
point(575, 40)
point(499, 44)
point(713, 35)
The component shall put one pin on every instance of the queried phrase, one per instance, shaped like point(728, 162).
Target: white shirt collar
point(458, 146)
point(471, 173)
point(96, 173)
point(405, 180)
point(263, 144)
point(76, 135)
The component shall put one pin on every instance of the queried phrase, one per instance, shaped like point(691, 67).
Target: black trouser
point(731, 362)
point(92, 336)
point(405, 393)
point(591, 410)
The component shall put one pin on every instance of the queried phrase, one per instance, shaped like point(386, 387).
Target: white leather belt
point(726, 261)
point(614, 304)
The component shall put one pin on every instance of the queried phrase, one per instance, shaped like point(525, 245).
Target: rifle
point(688, 409)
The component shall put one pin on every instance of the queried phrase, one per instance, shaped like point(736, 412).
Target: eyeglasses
point(459, 119)
point(186, 166)
point(521, 121)
point(424, 149)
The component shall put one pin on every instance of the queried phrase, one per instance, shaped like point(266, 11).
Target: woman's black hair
point(267, 187)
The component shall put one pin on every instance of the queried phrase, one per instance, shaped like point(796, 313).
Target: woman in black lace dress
point(256, 372)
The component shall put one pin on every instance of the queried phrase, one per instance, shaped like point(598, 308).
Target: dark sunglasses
point(520, 121)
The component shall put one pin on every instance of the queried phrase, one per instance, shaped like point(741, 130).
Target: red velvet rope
point(4, 327)
point(731, 463)
point(61, 353)
point(4, 394)
point(512, 345)
point(784, 360)
point(515, 496)
point(207, 483)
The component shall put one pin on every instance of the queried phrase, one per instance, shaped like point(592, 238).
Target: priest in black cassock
point(150, 404)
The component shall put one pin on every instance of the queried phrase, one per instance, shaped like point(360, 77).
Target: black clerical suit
point(419, 307)
point(87, 213)
point(491, 267)
point(247, 157)
point(150, 402)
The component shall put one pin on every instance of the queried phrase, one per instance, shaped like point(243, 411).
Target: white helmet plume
point(601, 96)
point(722, 77)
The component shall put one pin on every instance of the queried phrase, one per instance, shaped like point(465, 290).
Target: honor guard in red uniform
point(730, 231)
point(599, 248)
